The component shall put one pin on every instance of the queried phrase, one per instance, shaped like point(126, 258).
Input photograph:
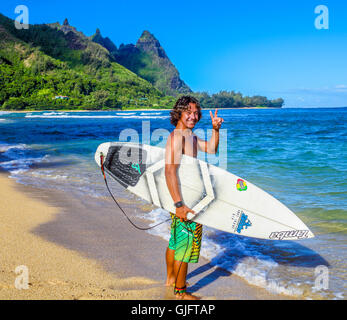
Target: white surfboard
point(221, 199)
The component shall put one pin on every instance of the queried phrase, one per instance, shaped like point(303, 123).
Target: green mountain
point(148, 60)
point(56, 66)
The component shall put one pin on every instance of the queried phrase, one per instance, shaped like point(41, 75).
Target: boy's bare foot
point(186, 296)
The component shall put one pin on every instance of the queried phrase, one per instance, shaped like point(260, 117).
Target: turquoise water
point(297, 155)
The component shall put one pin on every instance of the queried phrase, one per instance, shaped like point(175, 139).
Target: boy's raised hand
point(216, 121)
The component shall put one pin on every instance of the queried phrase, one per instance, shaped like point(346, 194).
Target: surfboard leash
point(120, 208)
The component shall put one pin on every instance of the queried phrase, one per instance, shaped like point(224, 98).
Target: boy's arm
point(212, 145)
point(173, 155)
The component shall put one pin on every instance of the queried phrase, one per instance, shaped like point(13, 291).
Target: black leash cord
point(185, 251)
point(121, 209)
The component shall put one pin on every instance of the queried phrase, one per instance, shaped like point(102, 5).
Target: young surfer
point(185, 240)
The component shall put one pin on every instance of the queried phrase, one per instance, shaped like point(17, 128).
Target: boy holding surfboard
point(185, 241)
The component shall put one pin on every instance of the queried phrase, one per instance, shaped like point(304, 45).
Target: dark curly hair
point(182, 104)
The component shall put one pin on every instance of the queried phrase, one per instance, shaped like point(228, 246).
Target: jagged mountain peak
point(105, 42)
point(147, 36)
point(148, 60)
point(150, 44)
point(66, 27)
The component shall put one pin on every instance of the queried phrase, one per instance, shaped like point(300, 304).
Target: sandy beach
point(77, 249)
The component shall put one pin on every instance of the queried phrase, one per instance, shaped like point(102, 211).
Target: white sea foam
point(18, 166)
point(19, 158)
point(150, 114)
point(49, 175)
point(54, 113)
point(6, 147)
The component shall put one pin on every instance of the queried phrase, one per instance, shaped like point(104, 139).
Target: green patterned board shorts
point(185, 239)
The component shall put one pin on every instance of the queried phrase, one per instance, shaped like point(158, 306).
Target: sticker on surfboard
point(241, 185)
point(240, 221)
point(244, 223)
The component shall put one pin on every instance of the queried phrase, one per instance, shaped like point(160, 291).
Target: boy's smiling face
point(190, 117)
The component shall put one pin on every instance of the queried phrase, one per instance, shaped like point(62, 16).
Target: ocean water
point(297, 155)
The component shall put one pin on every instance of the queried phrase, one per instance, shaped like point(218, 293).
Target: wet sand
point(86, 249)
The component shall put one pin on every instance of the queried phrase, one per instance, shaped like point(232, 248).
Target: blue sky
point(266, 47)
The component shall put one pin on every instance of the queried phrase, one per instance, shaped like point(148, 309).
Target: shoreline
point(85, 250)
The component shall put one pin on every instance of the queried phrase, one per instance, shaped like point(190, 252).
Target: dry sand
point(54, 271)
point(76, 249)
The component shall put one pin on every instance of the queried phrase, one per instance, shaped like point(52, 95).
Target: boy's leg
point(181, 269)
point(180, 245)
point(170, 259)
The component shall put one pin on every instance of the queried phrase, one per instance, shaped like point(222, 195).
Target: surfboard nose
point(310, 234)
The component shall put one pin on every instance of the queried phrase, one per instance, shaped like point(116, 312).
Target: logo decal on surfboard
point(241, 185)
point(240, 221)
point(244, 222)
point(280, 235)
point(136, 167)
